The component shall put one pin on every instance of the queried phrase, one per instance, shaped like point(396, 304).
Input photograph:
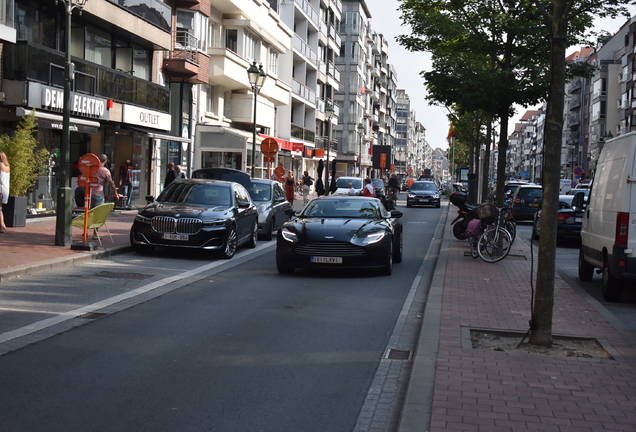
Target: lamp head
point(252, 74)
point(329, 111)
point(360, 128)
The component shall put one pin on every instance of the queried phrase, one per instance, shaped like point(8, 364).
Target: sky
point(385, 19)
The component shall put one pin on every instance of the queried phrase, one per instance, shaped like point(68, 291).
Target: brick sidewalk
point(478, 390)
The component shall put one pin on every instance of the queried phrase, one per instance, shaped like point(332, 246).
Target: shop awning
point(154, 133)
point(55, 121)
point(283, 144)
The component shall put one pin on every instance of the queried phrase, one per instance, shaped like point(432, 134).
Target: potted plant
point(27, 162)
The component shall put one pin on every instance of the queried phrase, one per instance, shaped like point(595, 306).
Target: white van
point(608, 235)
point(565, 186)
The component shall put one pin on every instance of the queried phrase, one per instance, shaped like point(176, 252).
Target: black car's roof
point(204, 181)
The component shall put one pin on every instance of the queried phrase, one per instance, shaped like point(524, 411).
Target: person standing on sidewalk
point(179, 172)
point(290, 186)
point(126, 176)
point(103, 174)
point(307, 182)
point(171, 175)
point(5, 177)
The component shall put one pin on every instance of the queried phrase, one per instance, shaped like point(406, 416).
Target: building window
point(251, 46)
point(34, 23)
point(231, 40)
point(98, 47)
point(208, 94)
point(272, 64)
point(192, 28)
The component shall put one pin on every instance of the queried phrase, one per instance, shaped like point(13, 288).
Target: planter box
point(15, 212)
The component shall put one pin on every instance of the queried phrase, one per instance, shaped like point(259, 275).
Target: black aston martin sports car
point(201, 214)
point(341, 232)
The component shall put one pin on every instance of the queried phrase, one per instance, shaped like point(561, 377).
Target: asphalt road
point(227, 347)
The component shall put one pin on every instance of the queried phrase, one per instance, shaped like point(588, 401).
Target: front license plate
point(182, 237)
point(326, 260)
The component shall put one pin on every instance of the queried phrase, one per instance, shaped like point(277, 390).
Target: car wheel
point(387, 270)
point(397, 257)
point(611, 286)
point(284, 269)
point(586, 270)
point(270, 231)
point(438, 205)
point(409, 205)
point(251, 243)
point(231, 242)
point(139, 248)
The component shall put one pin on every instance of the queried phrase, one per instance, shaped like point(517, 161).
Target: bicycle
point(494, 241)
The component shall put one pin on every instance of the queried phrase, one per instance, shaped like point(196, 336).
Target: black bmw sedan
point(202, 214)
point(341, 232)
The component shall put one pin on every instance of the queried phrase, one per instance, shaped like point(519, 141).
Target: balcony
point(303, 91)
point(183, 61)
point(26, 61)
point(309, 10)
point(302, 133)
point(305, 50)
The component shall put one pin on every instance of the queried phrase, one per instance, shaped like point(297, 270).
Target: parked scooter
point(465, 214)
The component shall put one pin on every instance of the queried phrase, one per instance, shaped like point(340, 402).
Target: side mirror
point(396, 214)
point(150, 199)
point(579, 200)
point(290, 212)
point(244, 204)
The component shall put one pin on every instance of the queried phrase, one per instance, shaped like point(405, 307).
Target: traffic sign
point(573, 185)
point(89, 164)
point(269, 147)
point(578, 171)
point(280, 172)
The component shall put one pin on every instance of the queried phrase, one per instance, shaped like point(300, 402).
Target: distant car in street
point(569, 220)
point(269, 198)
point(342, 185)
point(197, 214)
point(525, 201)
point(335, 232)
point(423, 193)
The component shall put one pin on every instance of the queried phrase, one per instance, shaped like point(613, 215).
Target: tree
point(26, 160)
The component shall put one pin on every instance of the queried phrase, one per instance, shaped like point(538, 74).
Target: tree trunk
point(544, 298)
point(485, 175)
point(501, 161)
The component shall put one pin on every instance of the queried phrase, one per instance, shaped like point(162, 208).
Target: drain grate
point(94, 315)
point(394, 354)
point(117, 275)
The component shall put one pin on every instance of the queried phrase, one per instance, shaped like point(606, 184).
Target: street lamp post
point(63, 215)
point(361, 133)
point(256, 76)
point(328, 116)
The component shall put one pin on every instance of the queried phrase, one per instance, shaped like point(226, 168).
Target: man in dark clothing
point(170, 175)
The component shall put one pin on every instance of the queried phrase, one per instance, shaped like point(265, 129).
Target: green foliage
point(26, 160)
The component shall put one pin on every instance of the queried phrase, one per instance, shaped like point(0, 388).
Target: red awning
point(283, 145)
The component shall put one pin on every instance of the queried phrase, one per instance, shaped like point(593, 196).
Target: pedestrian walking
point(368, 190)
point(5, 178)
point(179, 172)
point(290, 186)
point(307, 182)
point(170, 175)
point(126, 176)
point(104, 176)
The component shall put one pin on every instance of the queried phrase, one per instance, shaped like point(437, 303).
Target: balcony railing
point(303, 91)
point(25, 61)
point(309, 10)
point(154, 11)
point(302, 47)
point(302, 133)
point(184, 47)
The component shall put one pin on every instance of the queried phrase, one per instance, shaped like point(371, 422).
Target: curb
point(67, 261)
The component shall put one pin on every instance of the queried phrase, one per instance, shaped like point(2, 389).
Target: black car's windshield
point(344, 183)
point(197, 194)
point(423, 187)
point(260, 192)
point(349, 209)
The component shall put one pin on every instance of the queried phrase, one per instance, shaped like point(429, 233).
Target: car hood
point(184, 210)
point(337, 229)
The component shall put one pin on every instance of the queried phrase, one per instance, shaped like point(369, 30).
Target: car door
point(245, 217)
point(280, 203)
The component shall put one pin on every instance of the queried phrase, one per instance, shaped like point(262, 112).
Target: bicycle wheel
point(511, 227)
point(494, 244)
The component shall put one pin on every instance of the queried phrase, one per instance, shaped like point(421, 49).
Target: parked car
point(423, 193)
point(342, 185)
point(269, 198)
point(608, 235)
point(511, 187)
point(525, 201)
point(569, 220)
point(341, 232)
point(220, 173)
point(197, 214)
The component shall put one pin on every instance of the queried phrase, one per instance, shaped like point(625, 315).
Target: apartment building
point(242, 33)
point(7, 28)
point(121, 99)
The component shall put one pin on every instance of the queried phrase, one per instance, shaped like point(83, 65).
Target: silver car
point(269, 197)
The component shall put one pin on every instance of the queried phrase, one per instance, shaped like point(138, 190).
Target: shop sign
point(82, 105)
point(297, 146)
point(144, 117)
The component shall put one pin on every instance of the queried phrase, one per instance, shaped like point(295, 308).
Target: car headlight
point(374, 238)
point(216, 223)
point(142, 219)
point(412, 195)
point(288, 235)
point(435, 196)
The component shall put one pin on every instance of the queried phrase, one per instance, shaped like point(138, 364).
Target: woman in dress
point(4, 187)
point(290, 185)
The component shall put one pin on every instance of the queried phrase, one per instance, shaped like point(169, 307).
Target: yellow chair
point(96, 219)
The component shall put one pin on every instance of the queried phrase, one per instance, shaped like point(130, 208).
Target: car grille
point(423, 196)
point(166, 224)
point(341, 249)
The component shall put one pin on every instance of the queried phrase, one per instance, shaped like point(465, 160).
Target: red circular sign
point(269, 147)
point(89, 164)
point(280, 172)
